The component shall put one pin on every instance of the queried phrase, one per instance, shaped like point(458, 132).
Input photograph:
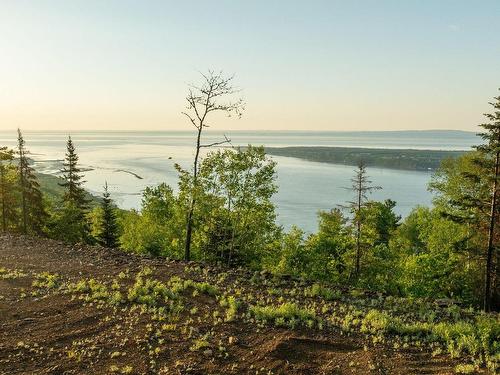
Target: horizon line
point(232, 130)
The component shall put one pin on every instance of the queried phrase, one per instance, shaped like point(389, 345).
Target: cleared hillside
point(84, 309)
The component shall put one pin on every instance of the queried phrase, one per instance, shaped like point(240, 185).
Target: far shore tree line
point(223, 212)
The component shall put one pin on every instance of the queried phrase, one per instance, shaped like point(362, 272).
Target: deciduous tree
point(214, 95)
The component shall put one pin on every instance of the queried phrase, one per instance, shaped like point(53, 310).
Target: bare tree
point(216, 94)
point(361, 186)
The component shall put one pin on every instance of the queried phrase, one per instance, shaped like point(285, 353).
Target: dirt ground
point(54, 333)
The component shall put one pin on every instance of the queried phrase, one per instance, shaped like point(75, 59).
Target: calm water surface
point(304, 187)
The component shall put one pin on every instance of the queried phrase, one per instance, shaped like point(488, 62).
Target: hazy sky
point(325, 65)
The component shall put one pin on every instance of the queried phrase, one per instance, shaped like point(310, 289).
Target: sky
point(300, 65)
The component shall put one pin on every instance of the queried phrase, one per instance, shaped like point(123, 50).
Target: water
point(304, 187)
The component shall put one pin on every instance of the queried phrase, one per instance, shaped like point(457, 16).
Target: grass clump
point(199, 344)
point(93, 290)
point(376, 322)
point(465, 369)
point(6, 274)
point(477, 338)
point(149, 292)
point(178, 285)
point(203, 287)
point(47, 280)
point(287, 314)
point(232, 305)
point(317, 290)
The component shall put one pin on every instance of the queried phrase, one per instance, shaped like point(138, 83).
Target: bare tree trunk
point(2, 182)
point(491, 233)
point(189, 224)
point(22, 179)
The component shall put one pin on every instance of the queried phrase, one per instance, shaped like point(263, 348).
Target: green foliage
point(73, 179)
point(68, 224)
point(329, 248)
point(108, 234)
point(466, 369)
point(235, 216)
point(376, 322)
point(8, 197)
point(434, 258)
point(32, 207)
point(202, 287)
point(47, 280)
point(149, 292)
point(477, 338)
point(232, 306)
point(158, 228)
point(287, 314)
point(199, 344)
point(292, 257)
point(7, 274)
point(317, 290)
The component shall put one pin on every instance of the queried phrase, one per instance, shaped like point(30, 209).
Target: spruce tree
point(7, 197)
point(72, 175)
point(72, 224)
point(33, 211)
point(491, 149)
point(109, 230)
point(361, 186)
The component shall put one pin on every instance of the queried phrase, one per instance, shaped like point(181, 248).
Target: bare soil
point(53, 333)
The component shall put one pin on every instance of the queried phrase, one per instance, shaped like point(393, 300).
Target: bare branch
point(190, 119)
point(227, 140)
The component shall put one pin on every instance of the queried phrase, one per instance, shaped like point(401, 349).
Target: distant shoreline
point(402, 159)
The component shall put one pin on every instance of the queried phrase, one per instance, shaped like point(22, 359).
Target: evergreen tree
point(468, 194)
point(491, 149)
point(7, 180)
point(71, 224)
point(33, 211)
point(361, 186)
point(109, 229)
point(73, 182)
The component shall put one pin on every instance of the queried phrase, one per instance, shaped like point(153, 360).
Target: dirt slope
point(47, 330)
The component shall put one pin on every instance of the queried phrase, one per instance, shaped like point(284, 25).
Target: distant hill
point(49, 185)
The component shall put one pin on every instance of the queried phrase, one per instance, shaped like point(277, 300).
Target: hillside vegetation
point(359, 295)
point(73, 309)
